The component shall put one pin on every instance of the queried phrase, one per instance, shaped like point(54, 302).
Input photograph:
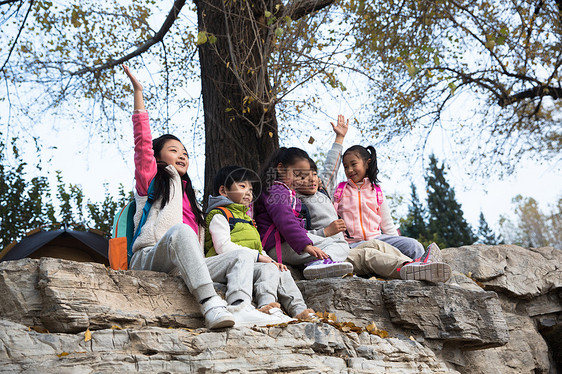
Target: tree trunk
point(240, 123)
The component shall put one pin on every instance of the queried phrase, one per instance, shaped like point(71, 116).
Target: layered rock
point(296, 348)
point(529, 285)
point(482, 321)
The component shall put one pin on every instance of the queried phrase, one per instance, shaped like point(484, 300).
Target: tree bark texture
point(239, 113)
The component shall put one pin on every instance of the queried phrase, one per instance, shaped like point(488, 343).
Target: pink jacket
point(364, 218)
point(145, 165)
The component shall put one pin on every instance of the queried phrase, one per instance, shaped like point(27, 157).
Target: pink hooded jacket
point(363, 216)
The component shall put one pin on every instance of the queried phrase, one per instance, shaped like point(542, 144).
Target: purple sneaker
point(327, 269)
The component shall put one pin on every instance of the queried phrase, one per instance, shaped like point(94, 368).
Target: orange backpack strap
point(231, 219)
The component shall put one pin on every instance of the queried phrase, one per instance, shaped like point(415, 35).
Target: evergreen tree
point(485, 233)
point(446, 218)
point(413, 226)
point(27, 204)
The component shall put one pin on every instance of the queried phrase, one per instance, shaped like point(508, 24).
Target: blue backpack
point(124, 233)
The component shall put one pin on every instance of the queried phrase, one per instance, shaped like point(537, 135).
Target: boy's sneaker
point(427, 271)
point(277, 312)
point(246, 315)
point(216, 314)
point(327, 269)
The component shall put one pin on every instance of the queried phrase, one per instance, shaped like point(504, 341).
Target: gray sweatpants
point(179, 248)
point(337, 251)
point(277, 286)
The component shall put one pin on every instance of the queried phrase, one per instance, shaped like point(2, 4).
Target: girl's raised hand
point(341, 128)
point(136, 85)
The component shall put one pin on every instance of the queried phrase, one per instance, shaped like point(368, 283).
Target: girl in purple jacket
point(278, 217)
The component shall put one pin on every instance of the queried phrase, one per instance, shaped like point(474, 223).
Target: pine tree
point(485, 233)
point(413, 226)
point(446, 218)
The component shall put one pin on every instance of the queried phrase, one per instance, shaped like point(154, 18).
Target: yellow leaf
point(63, 354)
point(87, 335)
point(347, 275)
point(270, 134)
point(115, 327)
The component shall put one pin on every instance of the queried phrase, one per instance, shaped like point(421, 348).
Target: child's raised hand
point(335, 227)
point(136, 84)
point(341, 128)
point(316, 252)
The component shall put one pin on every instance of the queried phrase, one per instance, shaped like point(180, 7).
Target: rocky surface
point(500, 313)
point(529, 285)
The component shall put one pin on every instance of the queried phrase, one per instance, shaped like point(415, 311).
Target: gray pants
point(337, 251)
point(408, 246)
point(179, 248)
point(277, 286)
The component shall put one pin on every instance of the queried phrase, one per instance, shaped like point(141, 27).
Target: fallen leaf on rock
point(373, 329)
point(63, 354)
point(115, 327)
point(87, 335)
point(38, 329)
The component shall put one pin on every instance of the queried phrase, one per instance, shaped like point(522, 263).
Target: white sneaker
point(216, 315)
point(327, 269)
point(277, 312)
point(428, 271)
point(246, 315)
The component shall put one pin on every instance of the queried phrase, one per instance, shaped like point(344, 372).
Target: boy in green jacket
point(231, 228)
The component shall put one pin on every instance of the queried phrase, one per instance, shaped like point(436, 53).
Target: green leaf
point(267, 14)
point(278, 32)
point(201, 38)
point(452, 87)
point(212, 39)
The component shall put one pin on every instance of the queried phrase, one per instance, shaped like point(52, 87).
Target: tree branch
point(300, 8)
point(18, 35)
point(538, 91)
point(170, 19)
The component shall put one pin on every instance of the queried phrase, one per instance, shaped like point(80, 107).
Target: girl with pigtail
point(361, 204)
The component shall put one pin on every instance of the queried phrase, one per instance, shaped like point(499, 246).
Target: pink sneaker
point(427, 271)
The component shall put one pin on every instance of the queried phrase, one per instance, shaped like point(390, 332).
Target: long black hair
point(369, 155)
point(162, 180)
point(284, 156)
